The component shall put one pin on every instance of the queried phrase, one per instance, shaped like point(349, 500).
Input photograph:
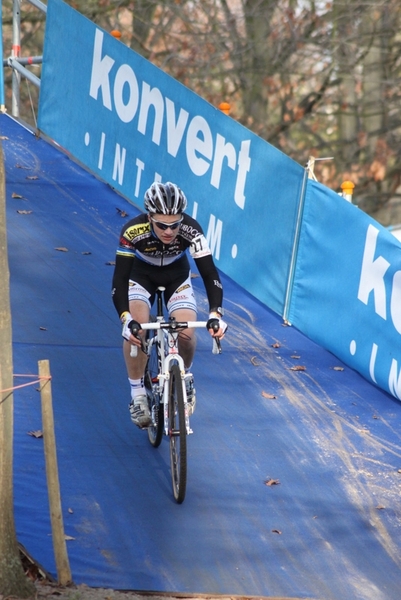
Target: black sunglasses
point(165, 226)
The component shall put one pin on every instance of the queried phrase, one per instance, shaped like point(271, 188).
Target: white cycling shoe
point(139, 410)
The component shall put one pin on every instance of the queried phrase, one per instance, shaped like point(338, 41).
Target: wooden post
point(56, 517)
point(13, 582)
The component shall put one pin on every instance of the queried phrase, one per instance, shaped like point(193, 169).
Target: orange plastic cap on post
point(347, 187)
point(115, 33)
point(225, 107)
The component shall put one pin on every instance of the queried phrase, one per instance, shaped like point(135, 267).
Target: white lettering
point(140, 167)
point(372, 362)
point(151, 97)
point(126, 76)
point(101, 68)
point(394, 380)
point(202, 145)
point(223, 150)
point(372, 274)
point(175, 130)
point(244, 165)
point(395, 303)
point(101, 151)
point(129, 102)
point(119, 164)
point(213, 236)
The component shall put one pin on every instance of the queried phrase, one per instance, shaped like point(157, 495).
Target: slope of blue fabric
point(329, 525)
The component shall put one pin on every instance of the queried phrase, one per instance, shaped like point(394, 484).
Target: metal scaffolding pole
point(15, 53)
point(2, 94)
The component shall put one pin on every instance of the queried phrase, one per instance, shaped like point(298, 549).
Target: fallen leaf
point(295, 356)
point(268, 396)
point(70, 511)
point(111, 262)
point(86, 253)
point(43, 328)
point(276, 531)
point(298, 368)
point(254, 361)
point(276, 345)
point(18, 166)
point(15, 195)
point(338, 368)
point(32, 177)
point(36, 434)
point(62, 249)
point(122, 213)
point(3, 137)
point(270, 482)
point(24, 212)
point(68, 538)
point(380, 507)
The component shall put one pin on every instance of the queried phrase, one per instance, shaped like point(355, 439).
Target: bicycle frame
point(167, 340)
point(166, 389)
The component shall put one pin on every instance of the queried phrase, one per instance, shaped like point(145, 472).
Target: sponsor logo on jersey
point(136, 231)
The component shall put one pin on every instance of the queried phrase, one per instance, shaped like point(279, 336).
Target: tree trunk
point(257, 61)
point(141, 23)
point(13, 581)
point(345, 54)
point(373, 71)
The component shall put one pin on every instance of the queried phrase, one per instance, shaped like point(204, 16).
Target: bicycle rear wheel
point(178, 434)
point(155, 431)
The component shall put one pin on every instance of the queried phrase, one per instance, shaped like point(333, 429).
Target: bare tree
point(310, 77)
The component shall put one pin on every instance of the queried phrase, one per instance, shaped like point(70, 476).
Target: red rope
point(17, 387)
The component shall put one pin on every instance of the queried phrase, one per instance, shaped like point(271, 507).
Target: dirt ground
point(83, 592)
point(48, 589)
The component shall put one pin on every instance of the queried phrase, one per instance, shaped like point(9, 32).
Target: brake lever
point(134, 349)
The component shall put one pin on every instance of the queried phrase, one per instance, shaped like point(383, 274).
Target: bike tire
point(177, 434)
point(155, 431)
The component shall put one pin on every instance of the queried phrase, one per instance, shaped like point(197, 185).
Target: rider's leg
point(139, 311)
point(186, 347)
point(181, 305)
point(187, 338)
point(138, 407)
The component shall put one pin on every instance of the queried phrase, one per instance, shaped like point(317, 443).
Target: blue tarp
point(329, 528)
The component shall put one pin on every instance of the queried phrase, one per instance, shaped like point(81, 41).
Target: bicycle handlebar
point(173, 326)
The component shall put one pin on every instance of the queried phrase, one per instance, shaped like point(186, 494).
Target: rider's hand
point(130, 329)
point(215, 321)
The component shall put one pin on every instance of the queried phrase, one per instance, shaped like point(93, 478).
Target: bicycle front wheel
point(178, 434)
point(155, 430)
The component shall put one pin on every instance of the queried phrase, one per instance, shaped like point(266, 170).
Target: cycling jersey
point(139, 246)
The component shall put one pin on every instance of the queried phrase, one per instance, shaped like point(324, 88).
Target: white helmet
point(165, 198)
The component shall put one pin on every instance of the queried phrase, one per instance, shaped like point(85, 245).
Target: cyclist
point(153, 252)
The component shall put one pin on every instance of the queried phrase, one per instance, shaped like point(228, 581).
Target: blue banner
point(347, 287)
point(130, 124)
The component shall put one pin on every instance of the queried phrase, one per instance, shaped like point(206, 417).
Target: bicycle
point(165, 382)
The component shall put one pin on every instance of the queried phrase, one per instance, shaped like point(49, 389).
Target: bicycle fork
point(164, 379)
